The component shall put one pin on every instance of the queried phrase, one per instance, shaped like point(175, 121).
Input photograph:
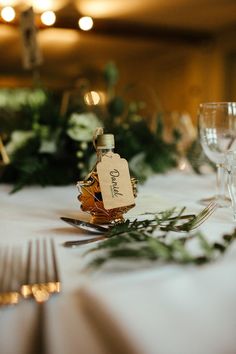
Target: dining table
point(125, 306)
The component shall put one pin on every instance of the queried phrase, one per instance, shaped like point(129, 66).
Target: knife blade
point(84, 225)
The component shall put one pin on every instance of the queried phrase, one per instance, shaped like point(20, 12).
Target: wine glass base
point(222, 202)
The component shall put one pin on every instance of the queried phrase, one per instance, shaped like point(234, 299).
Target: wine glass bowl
point(217, 130)
point(230, 167)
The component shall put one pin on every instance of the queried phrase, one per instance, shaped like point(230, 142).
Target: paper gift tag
point(114, 179)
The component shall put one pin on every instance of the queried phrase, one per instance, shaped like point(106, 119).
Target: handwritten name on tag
point(115, 184)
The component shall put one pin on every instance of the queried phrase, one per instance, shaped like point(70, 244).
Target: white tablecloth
point(124, 307)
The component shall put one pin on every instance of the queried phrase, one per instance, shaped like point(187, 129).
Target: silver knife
point(80, 224)
point(83, 242)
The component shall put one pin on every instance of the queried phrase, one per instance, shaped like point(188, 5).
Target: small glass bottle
point(90, 194)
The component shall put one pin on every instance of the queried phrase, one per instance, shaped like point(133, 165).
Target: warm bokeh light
point(8, 14)
point(46, 5)
point(92, 98)
point(42, 5)
point(85, 23)
point(57, 40)
point(108, 8)
point(4, 3)
point(48, 18)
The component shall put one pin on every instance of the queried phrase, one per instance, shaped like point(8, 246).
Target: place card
point(115, 183)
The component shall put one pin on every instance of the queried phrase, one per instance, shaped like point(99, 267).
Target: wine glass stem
point(220, 183)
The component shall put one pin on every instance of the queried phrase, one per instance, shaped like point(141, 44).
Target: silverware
point(10, 270)
point(80, 224)
point(83, 242)
point(41, 274)
point(98, 229)
point(40, 281)
point(194, 222)
point(198, 220)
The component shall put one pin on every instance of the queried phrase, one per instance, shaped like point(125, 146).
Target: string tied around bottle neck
point(103, 141)
point(98, 131)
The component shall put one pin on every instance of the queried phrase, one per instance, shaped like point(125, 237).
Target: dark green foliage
point(197, 158)
point(111, 74)
point(145, 149)
point(116, 106)
point(136, 240)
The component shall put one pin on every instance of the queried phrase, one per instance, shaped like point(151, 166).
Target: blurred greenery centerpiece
point(48, 145)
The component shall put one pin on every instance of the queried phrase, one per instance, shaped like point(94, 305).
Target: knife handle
point(83, 242)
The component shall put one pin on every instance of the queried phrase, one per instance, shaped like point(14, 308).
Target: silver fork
point(192, 224)
point(198, 220)
point(41, 274)
point(10, 273)
point(40, 281)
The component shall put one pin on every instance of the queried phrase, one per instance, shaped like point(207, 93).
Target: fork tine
point(4, 261)
point(53, 273)
point(26, 287)
point(42, 276)
point(46, 268)
point(198, 220)
point(28, 263)
point(35, 276)
point(208, 212)
point(10, 261)
point(54, 259)
point(206, 209)
point(18, 267)
point(9, 269)
point(37, 263)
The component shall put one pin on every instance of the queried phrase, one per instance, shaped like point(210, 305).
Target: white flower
point(80, 165)
point(82, 126)
point(48, 146)
point(79, 154)
point(18, 139)
point(15, 98)
point(84, 145)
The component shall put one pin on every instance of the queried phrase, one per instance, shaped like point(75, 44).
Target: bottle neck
point(102, 152)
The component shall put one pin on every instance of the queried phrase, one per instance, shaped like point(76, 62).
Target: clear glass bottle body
point(90, 197)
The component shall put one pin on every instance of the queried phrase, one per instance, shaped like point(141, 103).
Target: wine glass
point(217, 129)
point(230, 167)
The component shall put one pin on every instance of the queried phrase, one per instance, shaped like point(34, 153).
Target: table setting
point(137, 268)
point(117, 199)
point(122, 291)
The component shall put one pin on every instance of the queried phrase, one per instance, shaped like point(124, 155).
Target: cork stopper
point(105, 141)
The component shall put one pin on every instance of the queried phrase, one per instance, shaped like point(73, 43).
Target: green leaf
point(111, 74)
point(98, 262)
point(160, 249)
point(135, 240)
point(205, 245)
point(116, 106)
